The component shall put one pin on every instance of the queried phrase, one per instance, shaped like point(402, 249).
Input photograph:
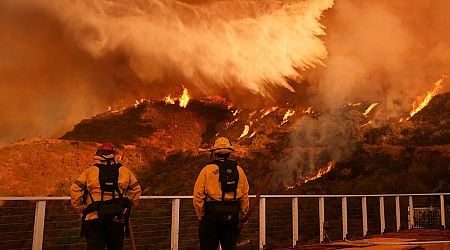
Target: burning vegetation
point(253, 71)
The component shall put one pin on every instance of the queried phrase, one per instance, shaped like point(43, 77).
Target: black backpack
point(228, 176)
point(225, 211)
point(117, 208)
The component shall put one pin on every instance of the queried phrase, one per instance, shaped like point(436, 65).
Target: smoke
point(384, 51)
point(62, 61)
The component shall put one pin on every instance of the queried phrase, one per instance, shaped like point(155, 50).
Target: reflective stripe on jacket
point(89, 179)
point(208, 184)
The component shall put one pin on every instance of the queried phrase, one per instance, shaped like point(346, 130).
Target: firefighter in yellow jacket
point(103, 195)
point(220, 198)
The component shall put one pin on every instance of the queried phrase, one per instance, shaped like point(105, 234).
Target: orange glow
point(184, 99)
point(372, 106)
point(320, 173)
point(245, 132)
point(169, 100)
point(286, 116)
point(253, 134)
point(267, 112)
point(428, 97)
point(308, 111)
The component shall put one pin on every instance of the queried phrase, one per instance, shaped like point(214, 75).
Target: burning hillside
point(302, 146)
point(301, 87)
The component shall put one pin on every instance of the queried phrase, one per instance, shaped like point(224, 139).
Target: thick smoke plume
point(61, 61)
point(383, 51)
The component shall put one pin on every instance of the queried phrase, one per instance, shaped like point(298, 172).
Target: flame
point(372, 106)
point(184, 99)
point(253, 134)
point(353, 104)
point(286, 116)
point(109, 109)
point(245, 132)
point(320, 173)
point(267, 112)
point(428, 97)
point(308, 111)
point(169, 100)
point(237, 111)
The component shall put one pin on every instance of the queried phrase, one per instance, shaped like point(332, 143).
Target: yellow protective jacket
point(89, 181)
point(208, 185)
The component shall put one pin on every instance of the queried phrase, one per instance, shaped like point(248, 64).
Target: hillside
point(165, 145)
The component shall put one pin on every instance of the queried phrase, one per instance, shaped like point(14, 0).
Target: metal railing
point(169, 222)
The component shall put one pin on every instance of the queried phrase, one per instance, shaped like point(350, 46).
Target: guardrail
point(169, 222)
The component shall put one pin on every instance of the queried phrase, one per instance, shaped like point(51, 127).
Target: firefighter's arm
point(134, 189)
point(244, 200)
point(200, 194)
point(77, 192)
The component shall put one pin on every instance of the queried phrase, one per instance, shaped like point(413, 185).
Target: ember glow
point(322, 171)
point(184, 99)
point(286, 116)
point(245, 132)
point(372, 106)
point(267, 112)
point(169, 100)
point(419, 105)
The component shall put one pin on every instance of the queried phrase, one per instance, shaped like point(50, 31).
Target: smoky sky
point(63, 61)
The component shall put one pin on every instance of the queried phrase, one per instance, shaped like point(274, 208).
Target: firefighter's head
point(222, 147)
point(105, 151)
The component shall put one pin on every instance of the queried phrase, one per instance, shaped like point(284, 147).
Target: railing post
point(294, 221)
point(175, 230)
point(411, 213)
point(321, 217)
point(442, 211)
point(39, 220)
point(262, 223)
point(382, 219)
point(397, 212)
point(364, 215)
point(344, 218)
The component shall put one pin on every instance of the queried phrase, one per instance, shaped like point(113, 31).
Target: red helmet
point(106, 149)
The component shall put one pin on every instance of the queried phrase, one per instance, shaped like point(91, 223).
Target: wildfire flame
point(286, 116)
point(320, 173)
point(184, 99)
point(245, 132)
point(253, 134)
point(308, 110)
point(268, 111)
point(428, 97)
point(370, 108)
point(169, 100)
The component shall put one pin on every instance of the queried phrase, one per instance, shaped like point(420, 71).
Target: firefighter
point(220, 198)
point(103, 195)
